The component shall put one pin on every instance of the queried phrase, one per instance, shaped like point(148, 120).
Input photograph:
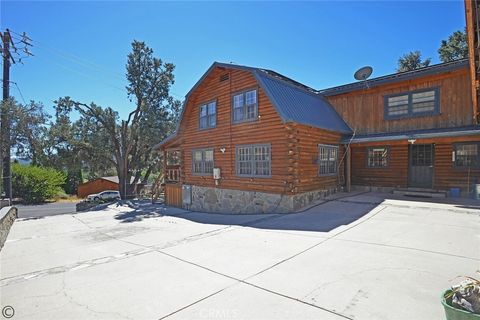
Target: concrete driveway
point(368, 256)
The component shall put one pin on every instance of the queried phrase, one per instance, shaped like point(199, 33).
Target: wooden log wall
point(268, 129)
point(363, 110)
point(445, 176)
point(307, 140)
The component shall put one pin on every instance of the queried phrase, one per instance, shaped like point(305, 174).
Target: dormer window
point(245, 106)
point(208, 115)
point(412, 104)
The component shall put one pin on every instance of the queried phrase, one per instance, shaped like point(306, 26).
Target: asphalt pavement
point(44, 210)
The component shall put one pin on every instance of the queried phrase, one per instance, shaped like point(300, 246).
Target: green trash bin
point(453, 313)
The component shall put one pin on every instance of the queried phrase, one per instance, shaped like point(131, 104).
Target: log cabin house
point(251, 140)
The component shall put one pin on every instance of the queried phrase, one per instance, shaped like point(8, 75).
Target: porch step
point(420, 192)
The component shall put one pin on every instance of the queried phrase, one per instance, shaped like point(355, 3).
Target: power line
point(84, 62)
point(19, 91)
point(81, 73)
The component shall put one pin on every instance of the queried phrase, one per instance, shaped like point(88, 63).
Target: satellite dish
point(363, 73)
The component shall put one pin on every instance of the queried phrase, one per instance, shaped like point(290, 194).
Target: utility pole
point(5, 126)
point(5, 139)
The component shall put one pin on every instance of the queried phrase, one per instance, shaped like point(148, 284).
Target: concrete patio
point(364, 256)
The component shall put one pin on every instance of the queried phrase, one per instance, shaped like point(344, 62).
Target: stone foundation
point(230, 201)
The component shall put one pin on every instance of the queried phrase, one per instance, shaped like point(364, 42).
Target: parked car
point(104, 195)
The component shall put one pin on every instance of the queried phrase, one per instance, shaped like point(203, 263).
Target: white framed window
point(467, 155)
point(202, 161)
point(327, 159)
point(377, 157)
point(254, 160)
point(208, 115)
point(245, 106)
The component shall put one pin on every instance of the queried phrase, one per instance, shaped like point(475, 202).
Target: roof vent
point(224, 77)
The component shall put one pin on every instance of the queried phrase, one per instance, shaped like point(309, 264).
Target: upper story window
point(328, 159)
point(208, 115)
point(377, 157)
point(202, 161)
point(467, 155)
point(412, 104)
point(254, 160)
point(173, 157)
point(245, 106)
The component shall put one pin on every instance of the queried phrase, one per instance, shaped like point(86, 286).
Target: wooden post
point(348, 169)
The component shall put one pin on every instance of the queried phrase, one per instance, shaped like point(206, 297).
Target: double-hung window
point(202, 161)
point(412, 104)
point(208, 115)
point(377, 157)
point(254, 160)
point(245, 106)
point(327, 159)
point(467, 155)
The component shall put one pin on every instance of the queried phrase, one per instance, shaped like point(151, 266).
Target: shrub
point(36, 184)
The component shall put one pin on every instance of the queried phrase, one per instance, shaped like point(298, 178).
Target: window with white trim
point(412, 104)
point(254, 160)
point(377, 157)
point(327, 159)
point(202, 161)
point(208, 115)
point(245, 106)
point(467, 155)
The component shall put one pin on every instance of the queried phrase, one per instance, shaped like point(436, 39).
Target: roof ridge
point(313, 92)
point(394, 76)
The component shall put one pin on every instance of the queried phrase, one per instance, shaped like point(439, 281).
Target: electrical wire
point(81, 61)
point(19, 91)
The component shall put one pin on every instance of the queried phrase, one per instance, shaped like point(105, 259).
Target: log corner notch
point(472, 13)
point(293, 157)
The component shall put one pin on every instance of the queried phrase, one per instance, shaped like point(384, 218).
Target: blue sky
point(81, 47)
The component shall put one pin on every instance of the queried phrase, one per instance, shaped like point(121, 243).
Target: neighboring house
point(98, 185)
point(251, 140)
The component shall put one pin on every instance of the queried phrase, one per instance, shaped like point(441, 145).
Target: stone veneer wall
point(219, 200)
point(7, 217)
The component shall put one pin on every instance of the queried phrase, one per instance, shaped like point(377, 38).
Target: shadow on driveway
point(322, 218)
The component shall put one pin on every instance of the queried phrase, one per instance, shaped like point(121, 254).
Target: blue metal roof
point(298, 104)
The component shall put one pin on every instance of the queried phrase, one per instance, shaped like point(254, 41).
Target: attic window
point(224, 77)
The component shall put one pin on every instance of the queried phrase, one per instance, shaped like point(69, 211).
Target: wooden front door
point(420, 168)
point(173, 194)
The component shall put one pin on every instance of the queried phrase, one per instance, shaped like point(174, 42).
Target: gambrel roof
point(293, 101)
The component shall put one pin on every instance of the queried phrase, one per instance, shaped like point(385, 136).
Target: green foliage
point(73, 179)
point(454, 48)
point(36, 184)
point(412, 61)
